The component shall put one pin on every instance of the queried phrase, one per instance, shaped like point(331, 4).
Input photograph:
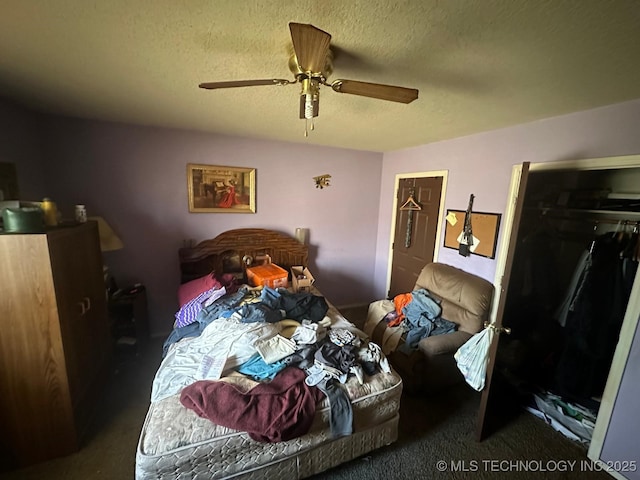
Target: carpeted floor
point(432, 429)
point(436, 440)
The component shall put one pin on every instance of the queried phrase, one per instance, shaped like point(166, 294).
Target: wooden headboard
point(225, 253)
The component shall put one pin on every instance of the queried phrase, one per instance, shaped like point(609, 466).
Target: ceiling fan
point(311, 63)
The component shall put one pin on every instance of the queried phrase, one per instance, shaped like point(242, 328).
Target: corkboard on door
point(484, 227)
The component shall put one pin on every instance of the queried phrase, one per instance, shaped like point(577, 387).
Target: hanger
point(621, 233)
point(410, 204)
point(632, 247)
point(593, 242)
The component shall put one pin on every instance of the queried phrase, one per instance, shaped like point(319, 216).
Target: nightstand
point(129, 319)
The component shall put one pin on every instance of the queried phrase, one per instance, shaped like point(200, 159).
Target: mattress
point(176, 443)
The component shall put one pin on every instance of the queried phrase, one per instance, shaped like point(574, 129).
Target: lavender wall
point(135, 177)
point(482, 163)
point(19, 144)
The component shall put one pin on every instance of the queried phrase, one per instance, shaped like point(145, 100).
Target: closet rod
point(593, 216)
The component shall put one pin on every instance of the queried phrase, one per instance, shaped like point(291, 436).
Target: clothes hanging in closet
point(538, 268)
point(594, 319)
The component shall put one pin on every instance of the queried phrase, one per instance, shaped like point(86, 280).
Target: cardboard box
point(268, 275)
point(301, 279)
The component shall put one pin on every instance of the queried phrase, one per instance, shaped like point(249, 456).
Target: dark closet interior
point(575, 261)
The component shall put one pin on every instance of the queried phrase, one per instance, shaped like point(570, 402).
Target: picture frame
point(484, 227)
point(221, 189)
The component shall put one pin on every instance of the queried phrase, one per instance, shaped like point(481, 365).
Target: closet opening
point(575, 261)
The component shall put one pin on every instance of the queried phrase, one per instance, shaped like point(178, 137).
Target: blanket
point(270, 412)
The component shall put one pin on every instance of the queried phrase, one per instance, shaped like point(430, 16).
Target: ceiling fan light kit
point(311, 64)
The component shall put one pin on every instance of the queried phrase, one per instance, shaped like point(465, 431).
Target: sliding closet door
point(615, 439)
point(488, 406)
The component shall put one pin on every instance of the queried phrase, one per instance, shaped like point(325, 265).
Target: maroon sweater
point(270, 412)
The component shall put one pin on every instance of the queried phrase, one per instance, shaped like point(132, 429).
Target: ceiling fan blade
point(244, 83)
point(311, 46)
point(376, 90)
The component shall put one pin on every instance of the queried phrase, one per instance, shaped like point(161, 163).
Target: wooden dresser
point(54, 341)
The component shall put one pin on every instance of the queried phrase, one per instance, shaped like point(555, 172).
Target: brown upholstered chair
point(465, 300)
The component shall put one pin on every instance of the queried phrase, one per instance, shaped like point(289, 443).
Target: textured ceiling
point(479, 65)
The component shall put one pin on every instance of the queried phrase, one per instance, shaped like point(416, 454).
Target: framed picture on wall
point(221, 189)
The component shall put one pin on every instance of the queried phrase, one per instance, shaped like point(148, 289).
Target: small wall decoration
point(485, 231)
point(221, 189)
point(322, 180)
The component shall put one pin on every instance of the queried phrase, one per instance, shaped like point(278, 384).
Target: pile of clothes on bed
point(283, 345)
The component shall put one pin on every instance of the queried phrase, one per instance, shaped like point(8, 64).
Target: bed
point(176, 442)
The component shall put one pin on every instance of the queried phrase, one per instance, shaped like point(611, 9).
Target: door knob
point(496, 329)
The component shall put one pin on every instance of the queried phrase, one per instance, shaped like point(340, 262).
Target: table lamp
point(109, 241)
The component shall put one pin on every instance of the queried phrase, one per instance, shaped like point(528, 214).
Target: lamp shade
point(109, 241)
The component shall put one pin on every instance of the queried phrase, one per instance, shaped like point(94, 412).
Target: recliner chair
point(465, 300)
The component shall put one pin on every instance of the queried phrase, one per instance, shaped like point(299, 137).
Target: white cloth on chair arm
point(446, 344)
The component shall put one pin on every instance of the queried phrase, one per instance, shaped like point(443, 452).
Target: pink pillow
point(190, 290)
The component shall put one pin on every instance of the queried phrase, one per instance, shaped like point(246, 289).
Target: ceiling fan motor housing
point(300, 74)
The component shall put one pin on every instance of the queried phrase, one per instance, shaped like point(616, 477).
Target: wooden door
point(36, 418)
point(415, 231)
point(80, 290)
point(490, 410)
point(97, 312)
point(67, 265)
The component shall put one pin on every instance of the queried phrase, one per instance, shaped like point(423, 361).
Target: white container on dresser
point(54, 341)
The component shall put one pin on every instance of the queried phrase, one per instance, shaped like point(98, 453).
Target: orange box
point(269, 275)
